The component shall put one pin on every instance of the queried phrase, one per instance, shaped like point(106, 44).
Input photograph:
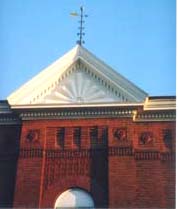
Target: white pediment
point(77, 77)
point(78, 87)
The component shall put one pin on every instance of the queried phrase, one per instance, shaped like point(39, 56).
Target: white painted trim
point(165, 103)
point(45, 80)
point(40, 106)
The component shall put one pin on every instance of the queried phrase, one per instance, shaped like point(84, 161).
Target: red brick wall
point(117, 171)
point(52, 193)
point(122, 181)
point(142, 180)
point(29, 170)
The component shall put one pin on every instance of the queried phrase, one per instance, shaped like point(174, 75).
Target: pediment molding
point(111, 86)
point(83, 78)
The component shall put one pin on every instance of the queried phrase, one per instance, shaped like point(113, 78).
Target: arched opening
point(74, 198)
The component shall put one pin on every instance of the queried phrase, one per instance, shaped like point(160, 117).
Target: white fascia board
point(160, 104)
point(41, 106)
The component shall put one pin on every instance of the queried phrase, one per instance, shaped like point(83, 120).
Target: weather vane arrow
point(81, 21)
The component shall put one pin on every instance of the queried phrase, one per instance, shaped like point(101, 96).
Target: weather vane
point(81, 28)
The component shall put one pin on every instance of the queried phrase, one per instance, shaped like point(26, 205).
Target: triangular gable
point(77, 77)
point(79, 87)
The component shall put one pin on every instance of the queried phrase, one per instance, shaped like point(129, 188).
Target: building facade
point(81, 135)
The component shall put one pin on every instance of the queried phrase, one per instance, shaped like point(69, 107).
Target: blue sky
point(135, 37)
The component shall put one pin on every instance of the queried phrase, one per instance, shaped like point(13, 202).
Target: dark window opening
point(167, 137)
point(77, 136)
point(60, 137)
point(94, 135)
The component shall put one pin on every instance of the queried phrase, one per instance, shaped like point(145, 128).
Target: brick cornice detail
point(88, 153)
point(134, 112)
point(78, 113)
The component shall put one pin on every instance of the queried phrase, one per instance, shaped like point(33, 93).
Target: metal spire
point(81, 28)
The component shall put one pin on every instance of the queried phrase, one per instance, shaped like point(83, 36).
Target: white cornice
point(48, 106)
point(160, 103)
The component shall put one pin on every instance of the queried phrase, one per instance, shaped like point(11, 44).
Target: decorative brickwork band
point(31, 153)
point(167, 156)
point(68, 153)
point(88, 153)
point(147, 155)
point(120, 151)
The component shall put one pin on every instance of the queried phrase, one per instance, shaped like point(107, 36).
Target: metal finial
point(81, 28)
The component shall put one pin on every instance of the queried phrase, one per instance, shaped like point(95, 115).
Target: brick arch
point(52, 193)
